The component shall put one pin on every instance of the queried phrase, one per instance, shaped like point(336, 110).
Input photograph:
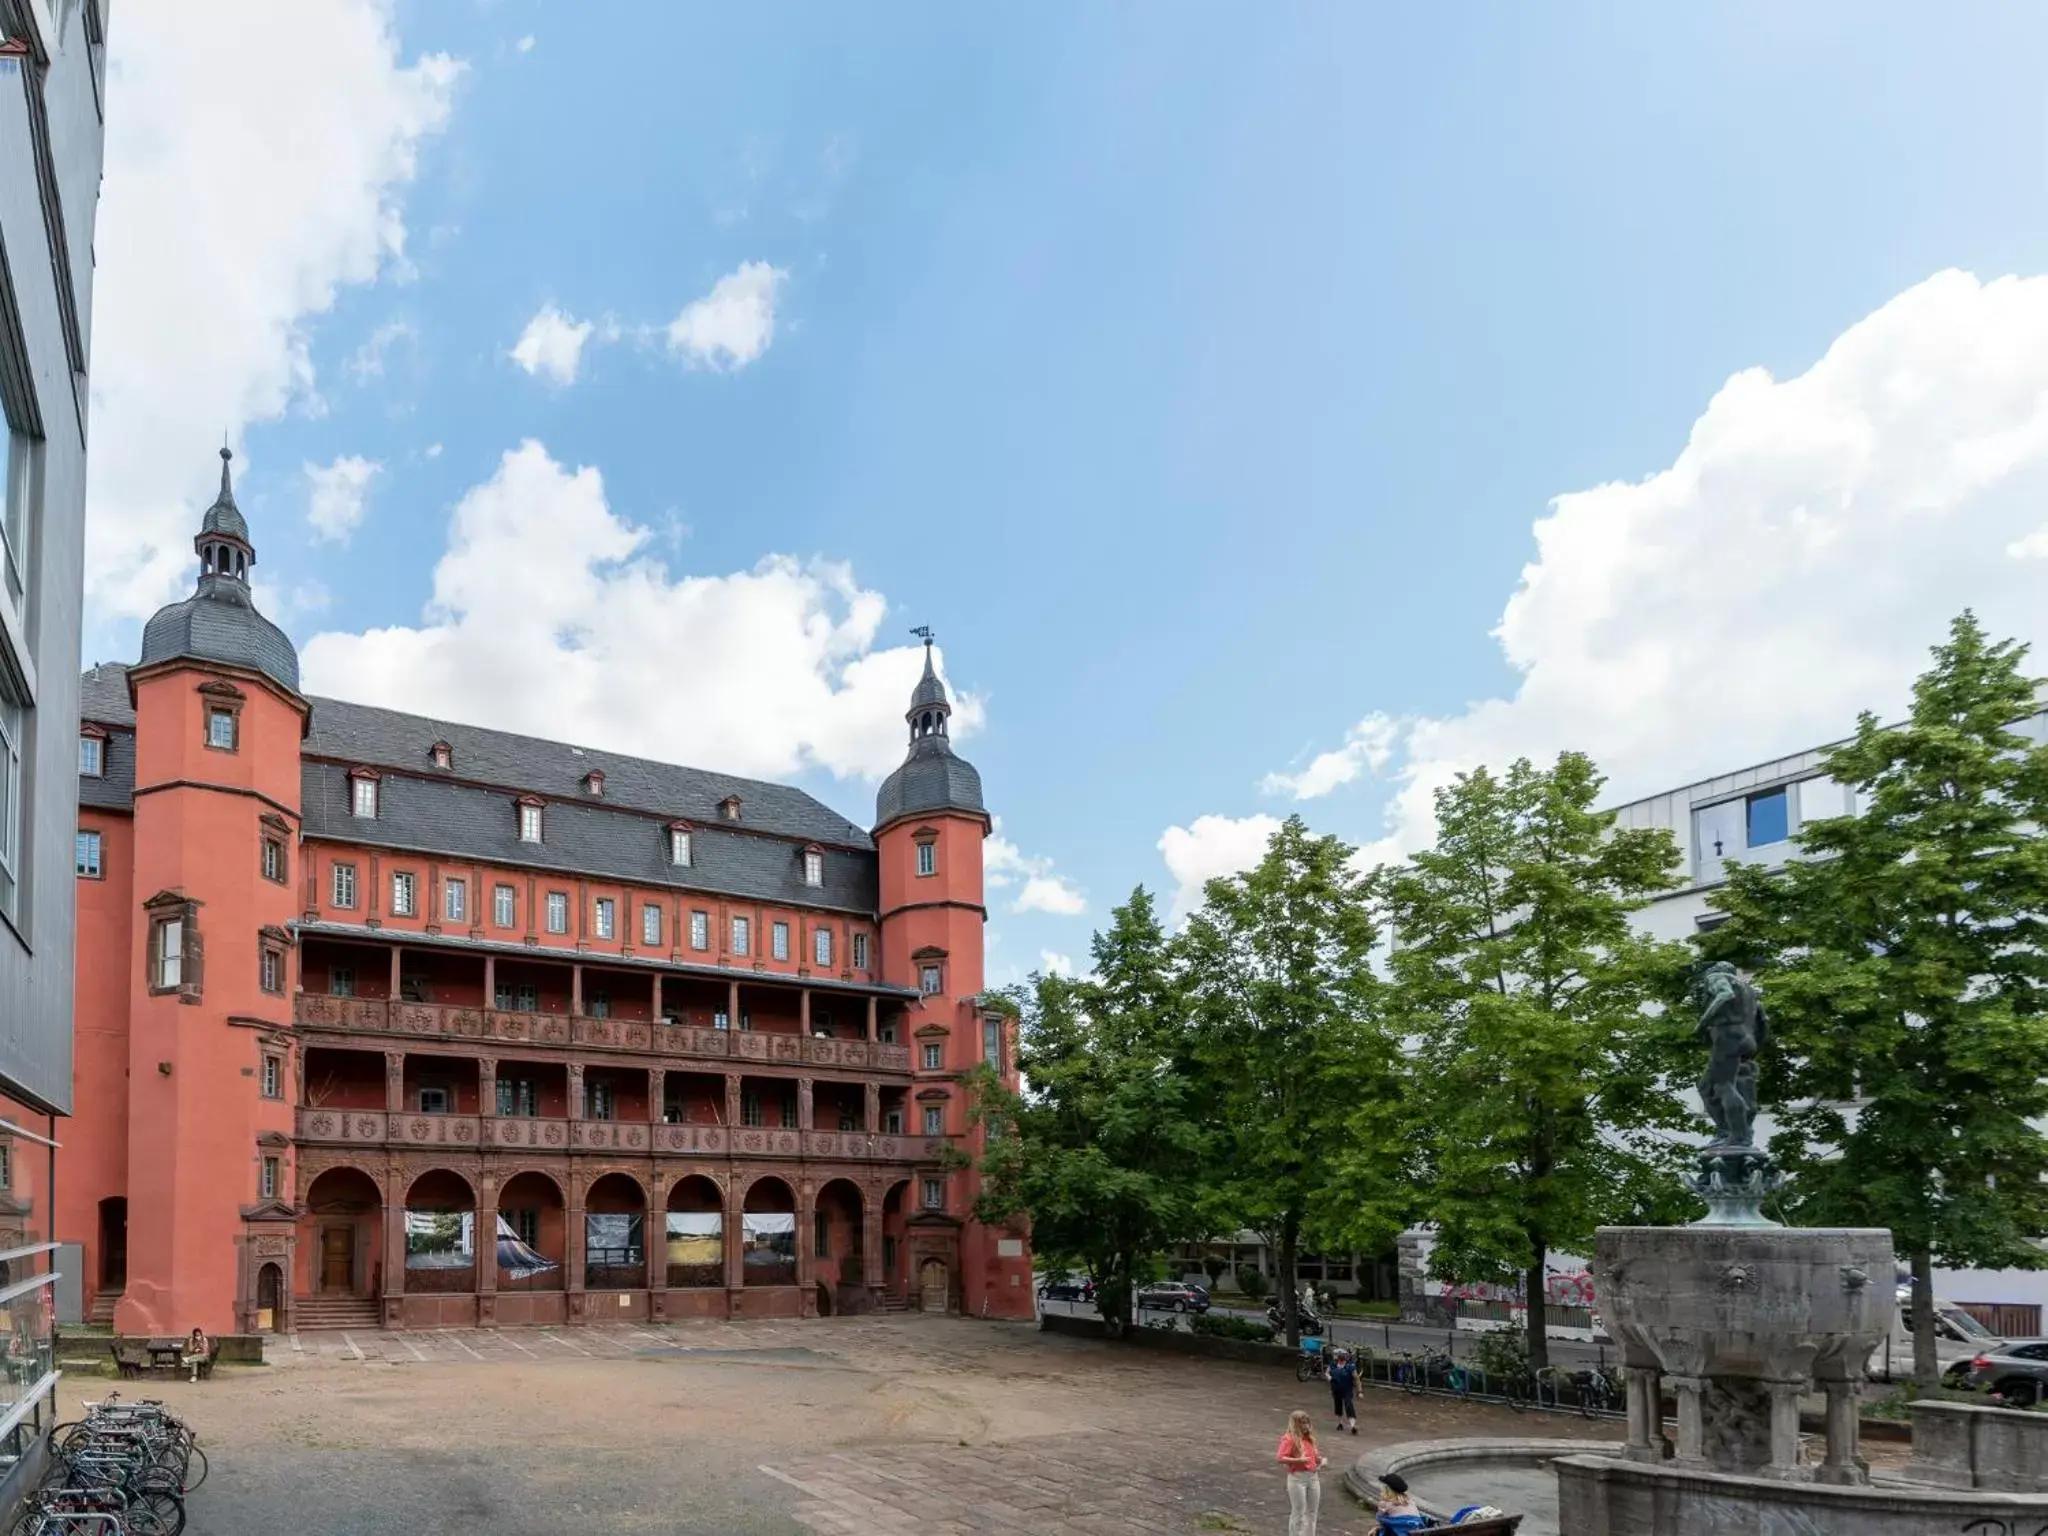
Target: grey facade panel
point(385, 738)
point(467, 821)
point(49, 190)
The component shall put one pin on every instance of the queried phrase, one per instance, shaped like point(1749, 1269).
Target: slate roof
point(931, 778)
point(469, 810)
point(218, 623)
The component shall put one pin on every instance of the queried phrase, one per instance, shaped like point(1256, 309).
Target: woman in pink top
point(1298, 1454)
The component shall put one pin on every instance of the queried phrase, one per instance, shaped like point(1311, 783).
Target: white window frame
point(273, 853)
point(273, 1176)
point(700, 930)
point(860, 951)
point(87, 869)
point(603, 916)
point(344, 875)
point(650, 924)
point(96, 748)
point(814, 868)
point(362, 800)
point(927, 857)
point(220, 729)
point(341, 981)
point(268, 961)
point(13, 729)
point(934, 1194)
point(504, 906)
point(558, 911)
point(778, 941)
point(169, 960)
point(530, 826)
point(821, 947)
point(447, 1100)
point(931, 979)
point(742, 935)
point(454, 901)
point(934, 1120)
point(932, 1057)
point(273, 1076)
point(679, 846)
point(405, 893)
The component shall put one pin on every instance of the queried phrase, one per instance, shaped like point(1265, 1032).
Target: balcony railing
point(438, 1021)
point(327, 1126)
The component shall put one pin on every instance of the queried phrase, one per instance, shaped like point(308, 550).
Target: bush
point(1219, 1325)
point(1251, 1283)
point(1213, 1267)
point(1502, 1352)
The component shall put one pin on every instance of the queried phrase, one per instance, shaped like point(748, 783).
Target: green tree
point(1301, 1082)
point(1904, 974)
point(1100, 1152)
point(1532, 1003)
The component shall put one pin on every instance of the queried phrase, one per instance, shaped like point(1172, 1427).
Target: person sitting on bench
point(196, 1348)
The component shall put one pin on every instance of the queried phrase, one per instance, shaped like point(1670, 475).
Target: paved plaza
point(905, 1426)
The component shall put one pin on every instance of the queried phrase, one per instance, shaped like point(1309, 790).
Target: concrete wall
point(50, 152)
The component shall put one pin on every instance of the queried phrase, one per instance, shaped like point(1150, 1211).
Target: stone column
point(732, 1102)
point(873, 1276)
point(656, 1015)
point(806, 1252)
point(803, 1102)
point(872, 1092)
point(871, 1021)
point(490, 978)
point(732, 1005)
point(1784, 1463)
point(1844, 1464)
point(395, 981)
point(394, 1247)
point(735, 1245)
point(576, 1104)
point(654, 1233)
point(487, 1252)
point(575, 992)
point(803, 1012)
point(394, 1084)
point(1643, 1428)
point(1692, 1432)
point(572, 1246)
point(487, 1085)
point(657, 1090)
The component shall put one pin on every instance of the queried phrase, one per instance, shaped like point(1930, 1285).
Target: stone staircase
point(313, 1313)
point(889, 1301)
point(102, 1313)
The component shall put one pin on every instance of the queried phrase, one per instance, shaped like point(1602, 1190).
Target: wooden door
point(932, 1282)
point(337, 1258)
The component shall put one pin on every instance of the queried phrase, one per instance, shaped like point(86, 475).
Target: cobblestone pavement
point(836, 1427)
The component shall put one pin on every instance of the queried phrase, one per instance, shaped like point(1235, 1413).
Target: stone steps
point(317, 1312)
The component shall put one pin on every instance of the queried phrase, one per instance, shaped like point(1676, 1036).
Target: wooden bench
point(160, 1357)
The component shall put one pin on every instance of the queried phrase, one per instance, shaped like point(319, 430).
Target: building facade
point(390, 1019)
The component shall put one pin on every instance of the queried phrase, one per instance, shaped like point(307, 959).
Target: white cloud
point(1367, 747)
point(1053, 963)
point(1791, 567)
point(335, 506)
point(549, 616)
point(731, 325)
point(1004, 865)
point(1209, 847)
point(217, 243)
point(367, 361)
point(432, 451)
point(525, 44)
point(552, 345)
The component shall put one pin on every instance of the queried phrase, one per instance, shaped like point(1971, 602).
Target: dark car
point(1067, 1288)
point(1173, 1296)
point(2017, 1370)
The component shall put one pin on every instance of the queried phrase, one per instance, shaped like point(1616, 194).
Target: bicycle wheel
point(143, 1521)
point(162, 1506)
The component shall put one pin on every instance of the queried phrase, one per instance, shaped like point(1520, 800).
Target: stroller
point(1472, 1520)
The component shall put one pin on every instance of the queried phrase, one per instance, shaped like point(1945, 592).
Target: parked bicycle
point(122, 1470)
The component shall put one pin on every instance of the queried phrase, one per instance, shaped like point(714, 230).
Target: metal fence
point(1591, 1391)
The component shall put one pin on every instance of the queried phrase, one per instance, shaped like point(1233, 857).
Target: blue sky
point(1202, 373)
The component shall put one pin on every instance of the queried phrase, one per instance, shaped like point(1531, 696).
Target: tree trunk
point(1290, 1299)
point(1537, 1311)
point(1926, 1361)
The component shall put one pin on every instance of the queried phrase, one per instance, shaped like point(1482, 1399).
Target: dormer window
point(593, 782)
point(444, 755)
point(529, 821)
point(814, 866)
point(729, 807)
point(92, 756)
point(678, 844)
point(363, 795)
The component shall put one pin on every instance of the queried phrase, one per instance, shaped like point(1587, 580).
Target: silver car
point(2017, 1370)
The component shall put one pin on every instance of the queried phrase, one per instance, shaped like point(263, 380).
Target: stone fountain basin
point(1765, 1303)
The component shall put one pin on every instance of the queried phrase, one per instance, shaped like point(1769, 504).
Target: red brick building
point(390, 1019)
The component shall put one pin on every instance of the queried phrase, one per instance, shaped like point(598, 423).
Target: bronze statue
point(1732, 1024)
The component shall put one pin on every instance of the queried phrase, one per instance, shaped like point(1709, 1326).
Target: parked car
point(1958, 1336)
point(1173, 1296)
point(1066, 1288)
point(2017, 1370)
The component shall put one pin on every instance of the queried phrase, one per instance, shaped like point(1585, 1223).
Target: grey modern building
point(52, 130)
point(52, 87)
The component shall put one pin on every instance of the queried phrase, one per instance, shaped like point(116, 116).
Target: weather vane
point(924, 633)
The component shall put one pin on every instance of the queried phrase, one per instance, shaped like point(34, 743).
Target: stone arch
point(270, 1294)
point(693, 1219)
point(838, 1236)
point(339, 1250)
point(441, 1240)
point(895, 1215)
point(615, 1232)
point(768, 1231)
point(533, 1206)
